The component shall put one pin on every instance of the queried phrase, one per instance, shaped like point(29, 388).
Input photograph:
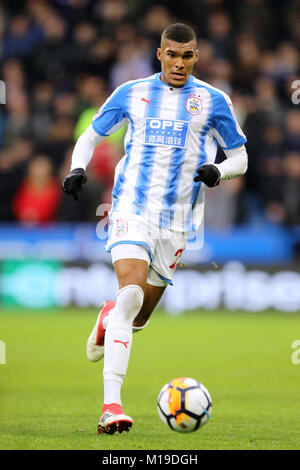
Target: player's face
point(177, 61)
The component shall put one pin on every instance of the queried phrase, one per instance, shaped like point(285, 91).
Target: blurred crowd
point(60, 60)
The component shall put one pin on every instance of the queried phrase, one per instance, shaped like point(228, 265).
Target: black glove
point(208, 174)
point(74, 182)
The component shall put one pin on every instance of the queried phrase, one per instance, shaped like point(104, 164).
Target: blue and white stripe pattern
point(171, 132)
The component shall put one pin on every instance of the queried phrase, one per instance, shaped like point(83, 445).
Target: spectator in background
point(13, 164)
point(75, 10)
point(223, 207)
point(293, 20)
point(272, 178)
point(51, 58)
point(65, 105)
point(37, 199)
point(246, 62)
point(59, 138)
point(3, 20)
point(101, 56)
point(273, 145)
point(133, 61)
point(41, 106)
point(291, 188)
point(282, 190)
point(267, 102)
point(21, 37)
point(221, 75)
point(281, 169)
point(84, 37)
point(288, 60)
point(18, 122)
point(219, 35)
point(13, 74)
point(292, 130)
point(111, 12)
point(15, 116)
point(91, 92)
point(40, 11)
point(255, 18)
point(156, 19)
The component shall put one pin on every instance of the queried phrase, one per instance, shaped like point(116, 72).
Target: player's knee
point(131, 272)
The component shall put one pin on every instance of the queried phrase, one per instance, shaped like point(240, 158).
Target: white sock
point(112, 392)
point(118, 339)
point(135, 329)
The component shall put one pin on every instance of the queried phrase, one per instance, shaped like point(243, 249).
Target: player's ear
point(158, 53)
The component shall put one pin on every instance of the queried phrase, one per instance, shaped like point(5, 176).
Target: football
point(184, 404)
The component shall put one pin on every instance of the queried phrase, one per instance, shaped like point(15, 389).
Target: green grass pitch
point(51, 395)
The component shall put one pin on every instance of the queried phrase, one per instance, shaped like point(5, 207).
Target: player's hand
point(208, 174)
point(74, 182)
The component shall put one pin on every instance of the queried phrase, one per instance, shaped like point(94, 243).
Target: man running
point(175, 124)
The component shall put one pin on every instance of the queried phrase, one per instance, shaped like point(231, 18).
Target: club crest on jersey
point(194, 104)
point(121, 227)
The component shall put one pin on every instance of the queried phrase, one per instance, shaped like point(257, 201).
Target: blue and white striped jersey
point(171, 132)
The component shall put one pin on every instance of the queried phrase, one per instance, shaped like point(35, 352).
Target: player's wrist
point(77, 171)
point(217, 166)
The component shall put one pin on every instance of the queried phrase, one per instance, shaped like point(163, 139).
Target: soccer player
point(175, 124)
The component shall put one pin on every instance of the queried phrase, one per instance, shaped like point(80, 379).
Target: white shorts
point(132, 236)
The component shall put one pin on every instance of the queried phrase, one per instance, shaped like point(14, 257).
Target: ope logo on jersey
point(194, 104)
point(166, 132)
point(121, 227)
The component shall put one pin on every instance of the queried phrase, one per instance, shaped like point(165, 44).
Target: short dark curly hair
point(178, 32)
